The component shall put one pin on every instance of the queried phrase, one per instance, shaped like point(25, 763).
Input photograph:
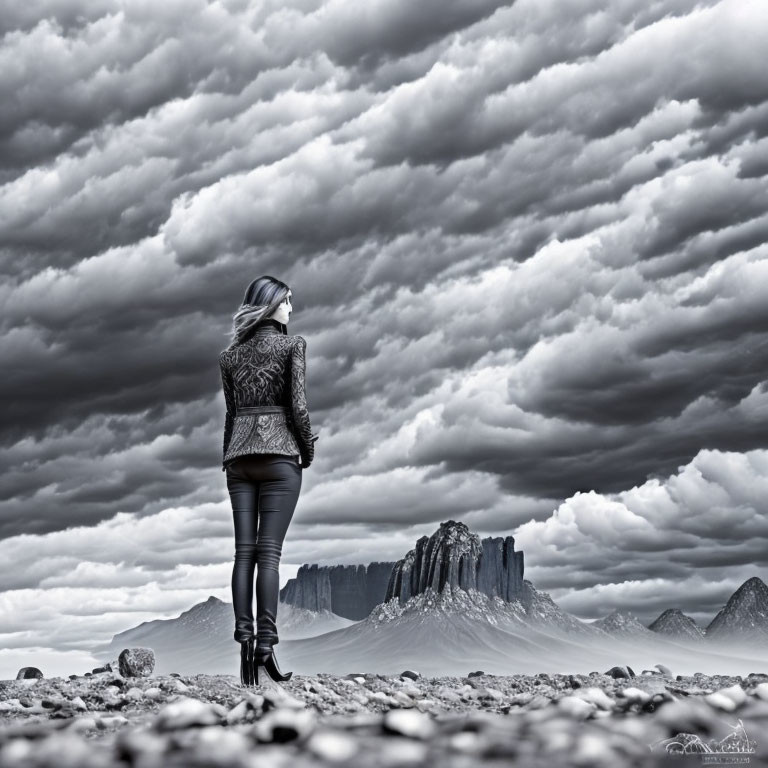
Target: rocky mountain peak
point(454, 557)
point(745, 615)
point(621, 623)
point(674, 623)
point(454, 532)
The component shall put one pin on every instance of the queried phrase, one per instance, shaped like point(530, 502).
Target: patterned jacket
point(264, 380)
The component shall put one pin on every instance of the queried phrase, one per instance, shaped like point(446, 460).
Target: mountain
point(455, 632)
point(675, 624)
point(438, 633)
point(451, 556)
point(456, 603)
point(294, 622)
point(540, 610)
point(454, 557)
point(202, 639)
point(439, 620)
point(744, 618)
point(622, 623)
point(447, 633)
point(349, 591)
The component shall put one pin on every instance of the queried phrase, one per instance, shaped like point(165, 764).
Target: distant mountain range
point(452, 604)
point(201, 639)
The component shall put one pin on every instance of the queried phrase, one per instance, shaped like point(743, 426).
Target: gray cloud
point(526, 246)
point(658, 545)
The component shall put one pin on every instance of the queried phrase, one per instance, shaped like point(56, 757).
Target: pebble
point(187, 712)
point(635, 695)
point(491, 693)
point(761, 690)
point(103, 720)
point(83, 724)
point(220, 745)
point(596, 696)
point(410, 723)
point(576, 707)
point(283, 725)
point(721, 701)
point(403, 699)
point(735, 693)
point(332, 747)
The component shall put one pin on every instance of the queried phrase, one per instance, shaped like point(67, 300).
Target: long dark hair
point(262, 297)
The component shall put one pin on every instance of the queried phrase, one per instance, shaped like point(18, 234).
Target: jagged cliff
point(350, 591)
point(453, 556)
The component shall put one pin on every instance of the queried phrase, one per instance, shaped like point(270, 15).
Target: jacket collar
point(270, 325)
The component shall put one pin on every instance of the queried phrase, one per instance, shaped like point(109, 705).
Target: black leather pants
point(264, 489)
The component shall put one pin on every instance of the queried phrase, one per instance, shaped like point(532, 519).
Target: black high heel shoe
point(269, 663)
point(246, 662)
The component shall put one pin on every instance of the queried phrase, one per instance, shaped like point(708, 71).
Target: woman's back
point(266, 432)
point(260, 368)
point(264, 380)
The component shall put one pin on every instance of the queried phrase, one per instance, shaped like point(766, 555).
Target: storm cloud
point(527, 249)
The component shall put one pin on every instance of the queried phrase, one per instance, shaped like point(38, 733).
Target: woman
point(266, 432)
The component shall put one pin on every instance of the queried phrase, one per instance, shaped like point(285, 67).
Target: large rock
point(29, 673)
point(452, 556)
point(136, 662)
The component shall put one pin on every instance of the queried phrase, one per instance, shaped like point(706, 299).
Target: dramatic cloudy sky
point(526, 244)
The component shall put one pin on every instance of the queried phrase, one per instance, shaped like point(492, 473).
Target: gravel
point(106, 719)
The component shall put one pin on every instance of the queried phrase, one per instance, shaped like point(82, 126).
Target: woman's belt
point(257, 409)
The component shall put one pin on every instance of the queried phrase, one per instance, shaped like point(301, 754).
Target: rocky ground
point(108, 719)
